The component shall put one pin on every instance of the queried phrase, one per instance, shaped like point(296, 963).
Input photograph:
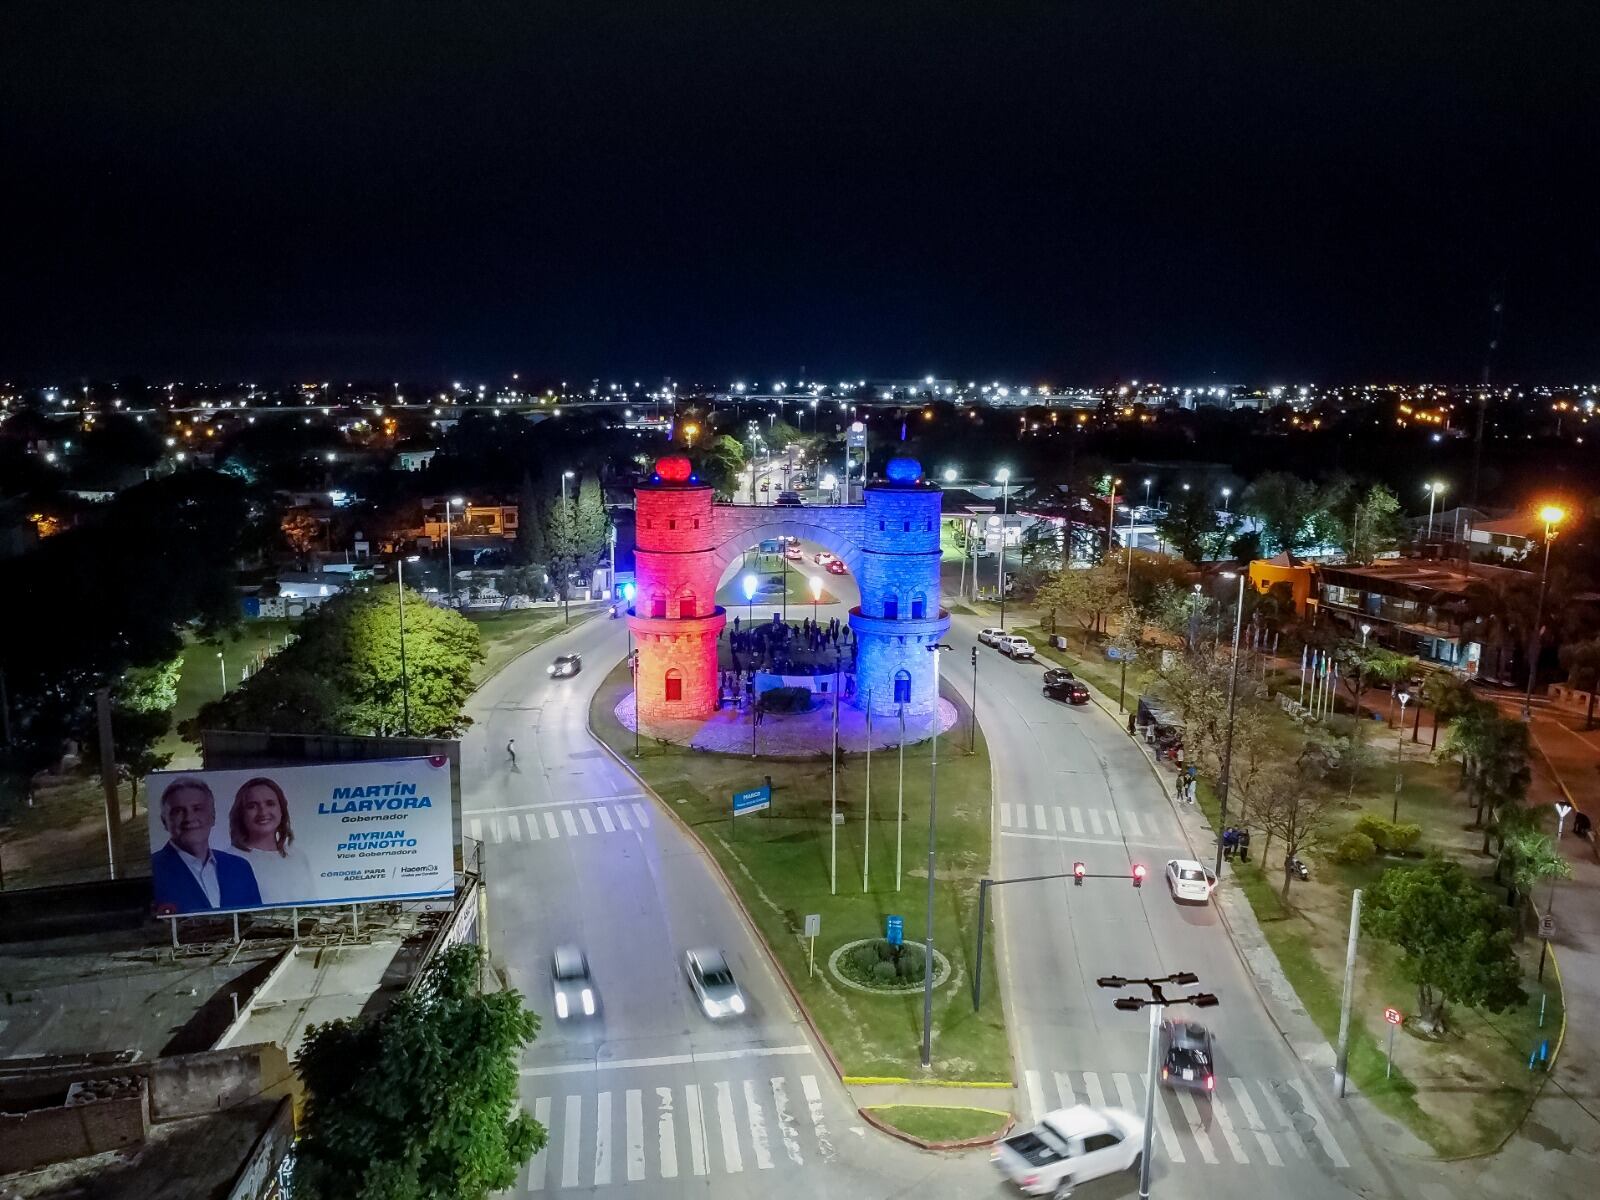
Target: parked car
point(1188, 1057)
point(566, 664)
point(789, 500)
point(836, 567)
point(1068, 1147)
point(1013, 646)
point(712, 982)
point(1189, 882)
point(988, 635)
point(569, 980)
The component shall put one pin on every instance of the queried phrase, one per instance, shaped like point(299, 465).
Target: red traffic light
point(1077, 874)
point(1138, 874)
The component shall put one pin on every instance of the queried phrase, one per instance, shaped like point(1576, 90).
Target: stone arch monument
point(685, 541)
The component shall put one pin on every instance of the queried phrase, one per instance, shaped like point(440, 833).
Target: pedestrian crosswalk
point(1074, 823)
point(686, 1130)
point(554, 823)
point(1264, 1121)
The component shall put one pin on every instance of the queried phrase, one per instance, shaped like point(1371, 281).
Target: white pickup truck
point(1068, 1147)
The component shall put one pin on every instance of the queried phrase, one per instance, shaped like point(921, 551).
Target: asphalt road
point(649, 1097)
point(1070, 785)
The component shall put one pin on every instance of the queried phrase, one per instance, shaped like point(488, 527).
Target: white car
point(711, 980)
point(1013, 646)
point(1068, 1147)
point(1189, 882)
point(988, 636)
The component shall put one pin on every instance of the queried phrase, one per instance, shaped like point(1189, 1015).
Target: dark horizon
point(1073, 196)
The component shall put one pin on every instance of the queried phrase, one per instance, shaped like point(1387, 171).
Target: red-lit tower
point(675, 618)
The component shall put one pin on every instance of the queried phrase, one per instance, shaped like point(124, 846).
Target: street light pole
point(405, 679)
point(1227, 745)
point(1111, 518)
point(933, 812)
point(223, 663)
point(1552, 516)
point(1004, 476)
point(449, 546)
point(1399, 745)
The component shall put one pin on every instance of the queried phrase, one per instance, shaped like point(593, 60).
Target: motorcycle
point(1298, 868)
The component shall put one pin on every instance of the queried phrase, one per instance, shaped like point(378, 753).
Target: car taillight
point(1165, 1073)
point(1211, 1083)
point(1029, 1180)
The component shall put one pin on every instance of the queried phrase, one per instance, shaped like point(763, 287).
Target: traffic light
point(1138, 874)
point(974, 656)
point(1077, 874)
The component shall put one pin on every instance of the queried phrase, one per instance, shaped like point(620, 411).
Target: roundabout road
point(649, 1097)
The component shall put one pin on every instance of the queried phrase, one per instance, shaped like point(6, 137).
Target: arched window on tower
point(919, 606)
point(902, 686)
point(658, 606)
point(674, 685)
point(891, 607)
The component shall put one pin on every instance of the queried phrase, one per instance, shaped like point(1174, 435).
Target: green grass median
point(778, 862)
point(938, 1123)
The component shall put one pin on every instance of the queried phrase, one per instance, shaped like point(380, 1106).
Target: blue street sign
point(1113, 652)
point(752, 800)
point(895, 930)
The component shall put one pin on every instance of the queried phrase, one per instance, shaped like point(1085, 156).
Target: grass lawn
point(200, 679)
point(731, 594)
point(508, 634)
point(937, 1123)
point(779, 863)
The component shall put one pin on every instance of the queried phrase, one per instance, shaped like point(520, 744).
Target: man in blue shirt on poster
point(188, 874)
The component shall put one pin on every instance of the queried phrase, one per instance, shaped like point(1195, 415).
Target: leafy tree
point(561, 541)
point(1362, 524)
point(141, 714)
point(1501, 773)
point(1254, 761)
point(1450, 697)
point(1532, 858)
point(343, 673)
point(1454, 939)
point(1582, 661)
point(420, 1101)
point(1285, 505)
point(300, 530)
point(1086, 594)
point(531, 521)
point(721, 461)
point(592, 526)
point(1191, 526)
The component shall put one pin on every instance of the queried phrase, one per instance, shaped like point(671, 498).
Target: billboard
point(284, 837)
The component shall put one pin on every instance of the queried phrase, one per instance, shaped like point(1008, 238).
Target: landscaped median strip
point(891, 1080)
point(940, 1127)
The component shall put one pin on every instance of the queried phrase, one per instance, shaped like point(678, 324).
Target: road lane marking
point(541, 1160)
point(1130, 824)
point(1282, 1119)
point(588, 821)
point(522, 808)
point(533, 827)
point(697, 1128)
point(514, 828)
point(643, 815)
point(1169, 1136)
point(667, 1060)
point(1095, 825)
point(604, 814)
point(1329, 1146)
point(1081, 841)
point(1039, 817)
point(1005, 814)
point(1077, 820)
point(666, 1142)
point(602, 1139)
point(1091, 1085)
point(786, 1125)
point(550, 825)
point(1113, 825)
point(566, 819)
point(569, 1149)
point(1252, 1118)
point(732, 1160)
point(635, 1108)
point(1061, 821)
point(1191, 1115)
point(1036, 1103)
point(622, 815)
point(808, 1084)
point(1064, 1089)
point(494, 828)
point(1220, 1111)
point(1124, 1091)
point(758, 1127)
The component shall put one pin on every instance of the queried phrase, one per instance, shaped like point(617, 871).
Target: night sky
point(1066, 192)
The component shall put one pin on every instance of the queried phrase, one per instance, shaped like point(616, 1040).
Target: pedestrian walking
point(511, 750)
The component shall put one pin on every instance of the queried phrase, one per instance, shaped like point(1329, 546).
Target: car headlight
point(737, 1004)
point(588, 1003)
point(710, 1006)
point(561, 1005)
point(551, 669)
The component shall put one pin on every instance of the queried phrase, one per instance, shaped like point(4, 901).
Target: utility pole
point(1227, 746)
point(933, 812)
point(108, 778)
point(972, 732)
point(1342, 1057)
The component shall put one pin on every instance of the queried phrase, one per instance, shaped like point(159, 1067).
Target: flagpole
point(866, 827)
point(1303, 651)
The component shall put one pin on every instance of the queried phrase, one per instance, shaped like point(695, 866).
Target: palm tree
point(1450, 697)
point(1533, 858)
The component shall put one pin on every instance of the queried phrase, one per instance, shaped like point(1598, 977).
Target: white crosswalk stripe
point(702, 1130)
point(1077, 821)
point(1061, 820)
point(1096, 826)
point(494, 829)
point(514, 828)
point(1088, 823)
point(1039, 818)
point(622, 816)
point(533, 827)
point(1005, 818)
point(550, 825)
point(1130, 825)
point(588, 821)
point(566, 819)
point(475, 831)
point(1243, 1121)
point(578, 821)
point(643, 814)
point(604, 814)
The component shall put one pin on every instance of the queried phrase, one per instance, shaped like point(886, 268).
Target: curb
point(913, 1140)
point(896, 1080)
point(733, 895)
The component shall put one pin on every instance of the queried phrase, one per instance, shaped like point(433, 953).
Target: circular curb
point(912, 1139)
point(941, 973)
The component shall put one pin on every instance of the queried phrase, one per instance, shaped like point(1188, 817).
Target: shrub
point(883, 972)
point(1354, 849)
point(1404, 838)
point(1388, 836)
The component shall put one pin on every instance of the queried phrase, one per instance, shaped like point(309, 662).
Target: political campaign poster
point(286, 837)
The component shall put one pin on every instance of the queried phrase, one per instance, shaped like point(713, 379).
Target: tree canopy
point(1456, 945)
point(420, 1101)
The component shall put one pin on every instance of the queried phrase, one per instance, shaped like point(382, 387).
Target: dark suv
point(1062, 684)
point(1188, 1058)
